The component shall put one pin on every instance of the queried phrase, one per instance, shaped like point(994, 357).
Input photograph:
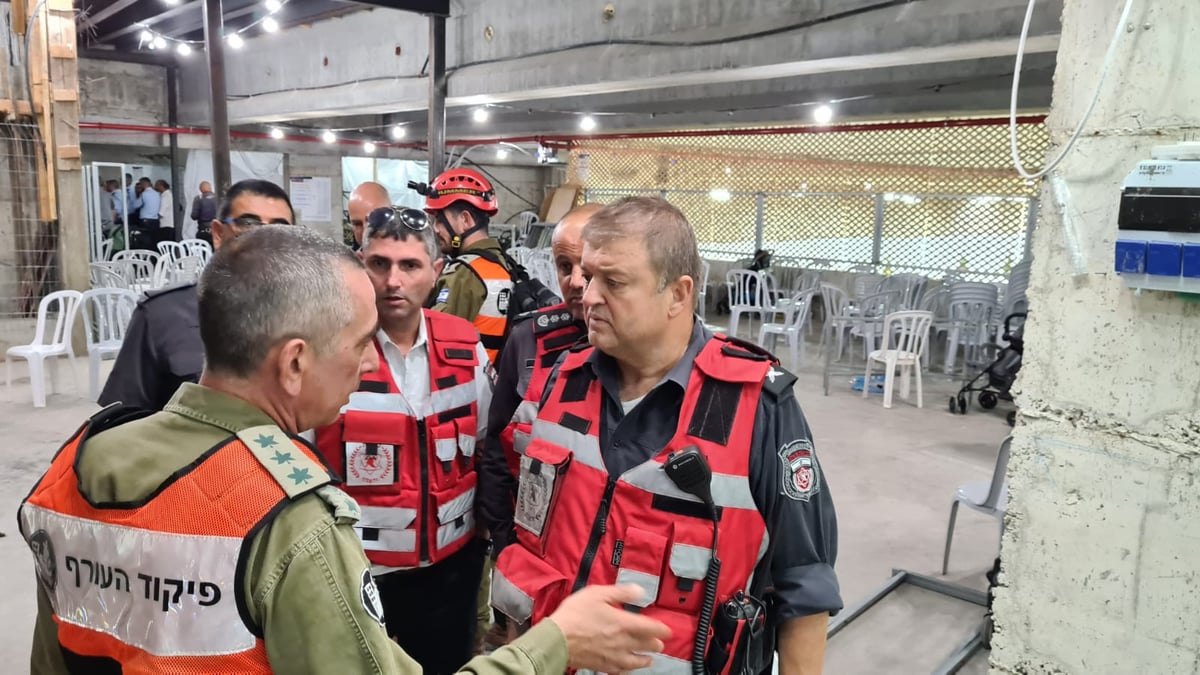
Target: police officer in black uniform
point(644, 366)
point(162, 347)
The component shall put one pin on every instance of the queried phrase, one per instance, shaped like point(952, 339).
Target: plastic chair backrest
point(998, 475)
point(837, 302)
point(107, 275)
point(197, 247)
point(866, 284)
point(702, 282)
point(878, 305)
point(742, 292)
point(909, 329)
point(807, 280)
point(171, 249)
point(106, 313)
point(803, 300)
point(65, 304)
point(972, 302)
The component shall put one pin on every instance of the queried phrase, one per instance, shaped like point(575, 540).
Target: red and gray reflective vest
point(577, 526)
point(414, 477)
point(156, 586)
point(554, 330)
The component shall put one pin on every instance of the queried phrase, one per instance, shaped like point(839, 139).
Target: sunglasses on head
point(410, 218)
point(254, 221)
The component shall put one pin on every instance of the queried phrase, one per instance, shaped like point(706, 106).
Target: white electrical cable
point(1012, 114)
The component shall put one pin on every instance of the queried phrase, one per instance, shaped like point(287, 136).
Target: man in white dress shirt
point(405, 446)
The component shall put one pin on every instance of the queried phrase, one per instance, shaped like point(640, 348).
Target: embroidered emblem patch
point(372, 603)
point(800, 471)
point(443, 295)
point(370, 464)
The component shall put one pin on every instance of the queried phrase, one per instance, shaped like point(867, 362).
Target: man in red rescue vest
point(405, 445)
point(660, 445)
point(208, 538)
point(535, 342)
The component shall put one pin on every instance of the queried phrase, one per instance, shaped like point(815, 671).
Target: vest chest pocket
point(683, 590)
point(543, 468)
point(641, 563)
point(371, 448)
point(454, 449)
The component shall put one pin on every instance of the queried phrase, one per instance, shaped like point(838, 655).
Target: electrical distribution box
point(1158, 236)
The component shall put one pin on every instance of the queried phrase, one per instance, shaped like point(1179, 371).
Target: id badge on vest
point(370, 464)
point(534, 494)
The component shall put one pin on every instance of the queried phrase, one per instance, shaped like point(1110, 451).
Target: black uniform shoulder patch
point(778, 381)
point(548, 321)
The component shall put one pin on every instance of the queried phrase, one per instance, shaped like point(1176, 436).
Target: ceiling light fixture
point(369, 148)
point(823, 114)
point(270, 25)
point(273, 5)
point(720, 195)
point(160, 42)
point(184, 49)
point(480, 115)
point(398, 132)
point(501, 153)
point(276, 133)
point(235, 41)
point(147, 36)
point(587, 123)
point(328, 136)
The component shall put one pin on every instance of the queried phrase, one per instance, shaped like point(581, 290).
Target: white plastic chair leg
point(94, 375)
point(794, 348)
point(866, 378)
point(53, 361)
point(949, 536)
point(920, 399)
point(735, 317)
point(37, 381)
point(889, 382)
point(905, 382)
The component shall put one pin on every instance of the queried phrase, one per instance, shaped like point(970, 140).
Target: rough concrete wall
point(1100, 549)
point(329, 166)
point(132, 93)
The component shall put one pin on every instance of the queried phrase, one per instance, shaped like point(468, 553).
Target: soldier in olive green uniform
point(287, 317)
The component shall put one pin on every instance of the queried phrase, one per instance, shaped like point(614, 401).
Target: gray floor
point(892, 473)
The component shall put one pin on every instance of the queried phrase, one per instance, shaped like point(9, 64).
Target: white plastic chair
point(866, 284)
point(523, 220)
point(702, 288)
point(64, 305)
point(987, 497)
point(105, 313)
point(838, 316)
point(137, 254)
point(107, 274)
point(171, 249)
point(198, 248)
point(905, 336)
point(972, 307)
point(520, 254)
point(106, 249)
point(746, 296)
point(800, 306)
point(170, 271)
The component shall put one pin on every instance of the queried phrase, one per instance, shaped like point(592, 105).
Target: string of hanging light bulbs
point(155, 41)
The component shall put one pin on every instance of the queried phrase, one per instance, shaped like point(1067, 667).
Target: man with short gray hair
point(655, 388)
point(213, 538)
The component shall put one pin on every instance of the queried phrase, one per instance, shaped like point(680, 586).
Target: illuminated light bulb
point(270, 25)
point(273, 5)
point(480, 115)
point(147, 36)
point(501, 153)
point(276, 133)
point(587, 123)
point(823, 114)
point(160, 42)
point(720, 195)
point(398, 132)
point(369, 148)
point(184, 49)
point(235, 41)
point(328, 136)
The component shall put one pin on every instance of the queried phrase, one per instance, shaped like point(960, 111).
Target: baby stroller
point(1000, 373)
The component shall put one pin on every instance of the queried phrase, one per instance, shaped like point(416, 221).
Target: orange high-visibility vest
point(413, 476)
point(578, 526)
point(492, 319)
point(157, 585)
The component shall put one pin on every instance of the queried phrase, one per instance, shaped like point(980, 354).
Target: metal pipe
point(172, 120)
point(214, 43)
point(437, 95)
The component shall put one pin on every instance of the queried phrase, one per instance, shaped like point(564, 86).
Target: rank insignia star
point(282, 457)
point(266, 441)
point(300, 476)
point(772, 374)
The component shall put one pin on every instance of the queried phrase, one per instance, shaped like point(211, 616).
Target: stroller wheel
point(988, 400)
point(1012, 418)
point(962, 404)
point(953, 406)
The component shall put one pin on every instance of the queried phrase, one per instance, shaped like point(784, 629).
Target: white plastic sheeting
point(242, 165)
point(393, 174)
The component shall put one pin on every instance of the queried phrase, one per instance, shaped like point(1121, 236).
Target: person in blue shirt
point(148, 203)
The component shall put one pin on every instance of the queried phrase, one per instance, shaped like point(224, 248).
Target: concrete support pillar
point(1100, 546)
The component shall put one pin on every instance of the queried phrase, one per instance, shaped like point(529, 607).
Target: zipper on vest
point(599, 527)
point(427, 531)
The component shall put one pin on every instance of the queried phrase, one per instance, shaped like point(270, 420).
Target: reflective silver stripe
point(647, 582)
point(398, 541)
point(164, 593)
point(526, 412)
point(660, 664)
point(446, 448)
point(510, 600)
point(690, 562)
point(521, 441)
point(762, 550)
point(586, 448)
point(466, 443)
point(369, 401)
point(389, 517)
point(456, 507)
point(728, 491)
point(491, 304)
point(450, 398)
point(451, 532)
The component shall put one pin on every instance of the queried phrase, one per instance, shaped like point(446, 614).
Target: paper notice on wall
point(311, 198)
